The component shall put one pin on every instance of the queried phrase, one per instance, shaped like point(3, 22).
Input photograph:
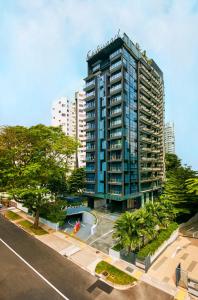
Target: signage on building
point(99, 48)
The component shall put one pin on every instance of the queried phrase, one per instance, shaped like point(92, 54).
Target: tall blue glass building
point(124, 126)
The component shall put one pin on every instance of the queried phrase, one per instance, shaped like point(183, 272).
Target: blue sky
point(43, 47)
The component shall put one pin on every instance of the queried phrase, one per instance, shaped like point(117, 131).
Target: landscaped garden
point(145, 230)
point(113, 274)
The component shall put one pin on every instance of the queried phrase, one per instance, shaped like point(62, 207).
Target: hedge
point(152, 246)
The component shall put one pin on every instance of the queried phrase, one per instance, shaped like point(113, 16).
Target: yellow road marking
point(181, 294)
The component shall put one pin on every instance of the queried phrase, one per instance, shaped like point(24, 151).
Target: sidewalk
point(88, 257)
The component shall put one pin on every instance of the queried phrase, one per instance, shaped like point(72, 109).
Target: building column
point(147, 197)
point(152, 197)
point(142, 200)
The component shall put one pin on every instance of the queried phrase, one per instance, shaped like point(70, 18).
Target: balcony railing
point(115, 146)
point(115, 65)
point(117, 75)
point(116, 111)
point(115, 87)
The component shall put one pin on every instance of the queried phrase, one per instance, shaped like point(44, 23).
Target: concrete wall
point(88, 218)
point(114, 254)
point(50, 224)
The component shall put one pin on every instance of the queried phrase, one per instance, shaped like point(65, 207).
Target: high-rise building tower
point(169, 138)
point(124, 126)
point(62, 115)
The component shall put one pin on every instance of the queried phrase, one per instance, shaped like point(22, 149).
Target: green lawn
point(29, 227)
point(12, 215)
point(114, 275)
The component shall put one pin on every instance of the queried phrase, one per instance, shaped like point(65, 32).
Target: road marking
point(33, 269)
point(101, 237)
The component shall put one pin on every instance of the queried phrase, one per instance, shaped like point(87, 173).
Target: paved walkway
point(183, 250)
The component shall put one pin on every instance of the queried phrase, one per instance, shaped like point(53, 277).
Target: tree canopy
point(179, 184)
point(34, 162)
point(76, 181)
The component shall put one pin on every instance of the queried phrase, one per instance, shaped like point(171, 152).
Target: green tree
point(192, 186)
point(76, 181)
point(127, 232)
point(176, 190)
point(31, 161)
point(172, 162)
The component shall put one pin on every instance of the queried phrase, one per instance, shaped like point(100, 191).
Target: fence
point(183, 280)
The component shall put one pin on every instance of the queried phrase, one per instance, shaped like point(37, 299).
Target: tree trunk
point(36, 219)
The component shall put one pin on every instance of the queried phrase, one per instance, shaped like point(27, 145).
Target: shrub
point(152, 246)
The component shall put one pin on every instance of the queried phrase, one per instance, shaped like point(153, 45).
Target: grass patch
point(114, 275)
point(12, 215)
point(152, 246)
point(29, 227)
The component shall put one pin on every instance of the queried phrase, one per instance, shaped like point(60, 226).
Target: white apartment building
point(71, 117)
point(62, 115)
point(169, 137)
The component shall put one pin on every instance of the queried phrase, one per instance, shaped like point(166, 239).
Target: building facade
point(62, 115)
point(79, 127)
point(124, 126)
point(169, 138)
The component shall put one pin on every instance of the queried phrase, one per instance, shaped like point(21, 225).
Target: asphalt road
point(19, 281)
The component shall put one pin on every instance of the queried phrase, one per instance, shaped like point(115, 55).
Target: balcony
point(115, 112)
point(90, 127)
point(146, 149)
point(90, 137)
point(146, 169)
point(90, 158)
point(117, 123)
point(90, 106)
point(92, 180)
point(115, 181)
point(115, 169)
point(116, 66)
point(115, 54)
point(116, 146)
point(89, 85)
point(90, 116)
point(115, 88)
point(115, 158)
point(115, 77)
point(145, 129)
point(145, 100)
point(146, 120)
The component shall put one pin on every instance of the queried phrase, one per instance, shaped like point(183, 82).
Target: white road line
point(41, 276)
point(100, 237)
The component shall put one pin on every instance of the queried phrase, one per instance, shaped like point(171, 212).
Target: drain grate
point(129, 269)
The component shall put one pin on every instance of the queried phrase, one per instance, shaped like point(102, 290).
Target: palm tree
point(127, 231)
